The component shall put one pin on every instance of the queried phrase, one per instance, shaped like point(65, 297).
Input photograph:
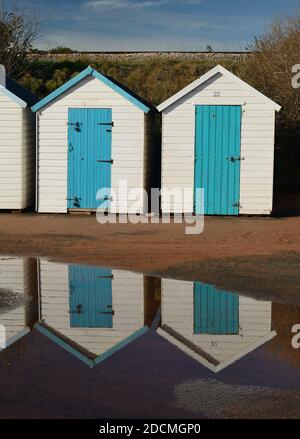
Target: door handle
point(105, 161)
point(111, 124)
point(234, 159)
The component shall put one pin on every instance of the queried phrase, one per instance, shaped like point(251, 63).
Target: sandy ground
point(253, 255)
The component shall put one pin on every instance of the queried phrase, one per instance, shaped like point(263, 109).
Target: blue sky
point(154, 24)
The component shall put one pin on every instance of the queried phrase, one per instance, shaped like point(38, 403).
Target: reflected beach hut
point(17, 281)
point(214, 327)
point(91, 312)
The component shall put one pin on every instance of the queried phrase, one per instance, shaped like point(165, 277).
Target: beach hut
point(91, 312)
point(17, 281)
point(17, 145)
point(215, 327)
point(92, 134)
point(218, 134)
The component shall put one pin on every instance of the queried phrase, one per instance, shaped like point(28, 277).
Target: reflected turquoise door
point(215, 311)
point(90, 297)
point(89, 157)
point(217, 158)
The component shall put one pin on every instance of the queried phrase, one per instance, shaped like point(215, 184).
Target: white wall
point(177, 310)
point(257, 144)
point(127, 142)
point(128, 305)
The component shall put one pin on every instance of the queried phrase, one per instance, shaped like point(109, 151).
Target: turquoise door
point(90, 297)
point(215, 312)
point(217, 158)
point(89, 157)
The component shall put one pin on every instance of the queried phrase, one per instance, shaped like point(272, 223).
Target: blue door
point(90, 297)
point(217, 158)
point(215, 312)
point(89, 157)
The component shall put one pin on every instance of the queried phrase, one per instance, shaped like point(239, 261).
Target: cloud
point(128, 25)
point(124, 4)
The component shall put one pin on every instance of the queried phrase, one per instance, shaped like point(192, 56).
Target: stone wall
point(137, 56)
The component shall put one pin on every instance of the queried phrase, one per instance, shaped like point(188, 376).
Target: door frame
point(68, 151)
point(219, 104)
point(200, 287)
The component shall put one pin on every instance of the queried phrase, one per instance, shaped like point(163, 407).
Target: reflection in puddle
point(93, 312)
point(18, 278)
point(242, 346)
point(214, 327)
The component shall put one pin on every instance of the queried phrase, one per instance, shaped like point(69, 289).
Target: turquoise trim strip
point(12, 96)
point(89, 71)
point(156, 320)
point(121, 91)
point(64, 344)
point(63, 88)
point(15, 338)
point(121, 345)
point(79, 355)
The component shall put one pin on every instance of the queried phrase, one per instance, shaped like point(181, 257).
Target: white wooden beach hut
point(215, 327)
point(17, 145)
point(91, 312)
point(92, 133)
point(218, 134)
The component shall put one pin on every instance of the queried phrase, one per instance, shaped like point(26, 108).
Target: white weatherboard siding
point(10, 153)
point(17, 155)
point(177, 312)
point(257, 144)
point(18, 275)
point(127, 143)
point(128, 305)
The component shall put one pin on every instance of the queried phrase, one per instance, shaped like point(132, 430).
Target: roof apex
point(89, 71)
point(217, 69)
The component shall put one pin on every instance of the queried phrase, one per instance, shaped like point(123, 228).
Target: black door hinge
point(105, 277)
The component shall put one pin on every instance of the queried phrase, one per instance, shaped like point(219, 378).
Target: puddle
point(166, 347)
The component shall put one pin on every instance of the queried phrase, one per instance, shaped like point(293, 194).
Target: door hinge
point(79, 310)
point(105, 277)
point(238, 205)
point(74, 199)
point(111, 124)
point(105, 199)
point(105, 161)
point(110, 313)
point(77, 125)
